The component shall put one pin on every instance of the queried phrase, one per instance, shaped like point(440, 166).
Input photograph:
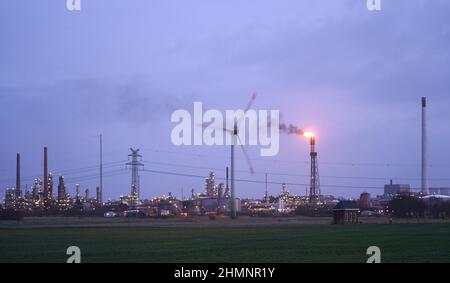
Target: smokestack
point(45, 173)
point(100, 189)
point(227, 187)
point(77, 192)
point(266, 187)
point(99, 195)
point(18, 189)
point(424, 147)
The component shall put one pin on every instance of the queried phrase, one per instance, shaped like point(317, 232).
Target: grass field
point(232, 243)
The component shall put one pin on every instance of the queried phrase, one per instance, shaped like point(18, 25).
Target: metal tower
point(235, 138)
point(48, 182)
point(233, 192)
point(314, 190)
point(135, 167)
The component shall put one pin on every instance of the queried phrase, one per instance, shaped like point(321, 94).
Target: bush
point(407, 206)
point(441, 209)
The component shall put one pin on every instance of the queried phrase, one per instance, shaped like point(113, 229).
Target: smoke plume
point(291, 129)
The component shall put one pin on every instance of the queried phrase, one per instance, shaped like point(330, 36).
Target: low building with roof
point(346, 212)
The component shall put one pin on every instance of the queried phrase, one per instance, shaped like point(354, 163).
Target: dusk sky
point(121, 68)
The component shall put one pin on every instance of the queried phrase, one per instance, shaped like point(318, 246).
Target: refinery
point(224, 139)
point(50, 196)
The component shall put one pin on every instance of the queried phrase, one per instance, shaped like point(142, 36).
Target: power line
point(257, 181)
point(95, 176)
point(306, 162)
point(288, 174)
point(89, 168)
point(78, 179)
point(68, 172)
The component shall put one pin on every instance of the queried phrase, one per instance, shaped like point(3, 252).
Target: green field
point(255, 244)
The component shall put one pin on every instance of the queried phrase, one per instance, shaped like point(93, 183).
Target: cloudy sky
point(122, 67)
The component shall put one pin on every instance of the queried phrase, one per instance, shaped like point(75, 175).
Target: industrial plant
point(49, 195)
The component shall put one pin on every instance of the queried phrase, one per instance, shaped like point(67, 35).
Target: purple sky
point(121, 68)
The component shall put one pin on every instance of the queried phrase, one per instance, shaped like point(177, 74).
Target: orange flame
point(309, 135)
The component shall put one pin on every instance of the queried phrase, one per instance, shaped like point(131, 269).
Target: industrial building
point(215, 200)
point(439, 191)
point(41, 198)
point(391, 190)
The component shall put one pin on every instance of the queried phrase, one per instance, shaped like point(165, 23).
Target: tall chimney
point(18, 189)
point(227, 187)
point(100, 189)
point(99, 195)
point(45, 173)
point(424, 148)
point(77, 192)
